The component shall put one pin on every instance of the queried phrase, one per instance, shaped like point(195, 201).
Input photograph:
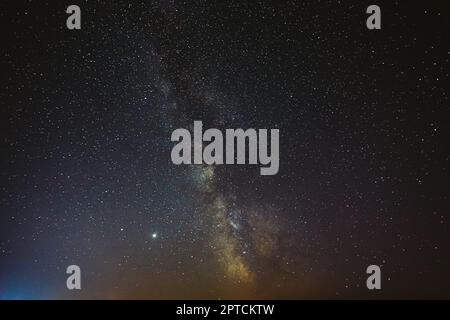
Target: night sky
point(86, 176)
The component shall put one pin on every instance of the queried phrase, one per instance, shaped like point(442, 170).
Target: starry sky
point(86, 176)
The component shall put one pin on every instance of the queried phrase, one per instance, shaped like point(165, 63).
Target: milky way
point(87, 178)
